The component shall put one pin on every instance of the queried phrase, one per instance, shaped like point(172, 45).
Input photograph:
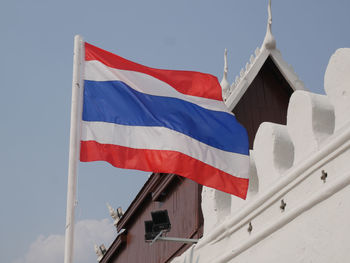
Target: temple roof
point(247, 74)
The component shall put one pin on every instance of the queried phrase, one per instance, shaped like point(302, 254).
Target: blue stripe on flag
point(116, 102)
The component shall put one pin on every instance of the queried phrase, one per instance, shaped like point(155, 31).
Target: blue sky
point(36, 72)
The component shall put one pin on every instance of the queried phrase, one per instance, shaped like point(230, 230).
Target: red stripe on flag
point(187, 82)
point(160, 161)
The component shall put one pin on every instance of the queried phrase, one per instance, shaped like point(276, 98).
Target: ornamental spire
point(269, 41)
point(225, 63)
point(224, 83)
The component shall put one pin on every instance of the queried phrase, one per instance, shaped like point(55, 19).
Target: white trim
point(287, 70)
point(242, 86)
point(248, 76)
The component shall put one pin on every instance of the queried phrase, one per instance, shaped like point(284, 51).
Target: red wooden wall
point(266, 99)
point(181, 197)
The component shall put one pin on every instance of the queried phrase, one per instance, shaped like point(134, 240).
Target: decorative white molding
point(245, 78)
point(114, 214)
point(100, 251)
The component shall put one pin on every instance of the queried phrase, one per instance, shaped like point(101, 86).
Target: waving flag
point(164, 121)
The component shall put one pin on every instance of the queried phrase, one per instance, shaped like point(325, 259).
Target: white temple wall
point(317, 235)
point(298, 207)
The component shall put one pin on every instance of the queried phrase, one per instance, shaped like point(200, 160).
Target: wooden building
point(181, 197)
point(260, 93)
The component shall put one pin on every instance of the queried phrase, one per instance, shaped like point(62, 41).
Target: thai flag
point(163, 121)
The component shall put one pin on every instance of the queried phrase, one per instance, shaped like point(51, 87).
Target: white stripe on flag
point(97, 71)
point(160, 138)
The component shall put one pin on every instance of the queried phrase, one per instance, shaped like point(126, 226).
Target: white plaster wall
point(314, 210)
point(216, 206)
point(304, 165)
point(310, 121)
point(320, 235)
point(273, 153)
point(337, 87)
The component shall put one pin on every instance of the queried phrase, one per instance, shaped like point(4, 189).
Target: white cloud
point(87, 233)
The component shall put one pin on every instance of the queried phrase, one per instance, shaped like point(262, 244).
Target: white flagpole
point(74, 146)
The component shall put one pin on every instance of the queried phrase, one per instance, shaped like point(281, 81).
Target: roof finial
point(269, 13)
point(98, 253)
point(114, 214)
point(224, 83)
point(225, 63)
point(269, 41)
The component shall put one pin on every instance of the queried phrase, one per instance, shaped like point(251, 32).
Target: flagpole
point(74, 146)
